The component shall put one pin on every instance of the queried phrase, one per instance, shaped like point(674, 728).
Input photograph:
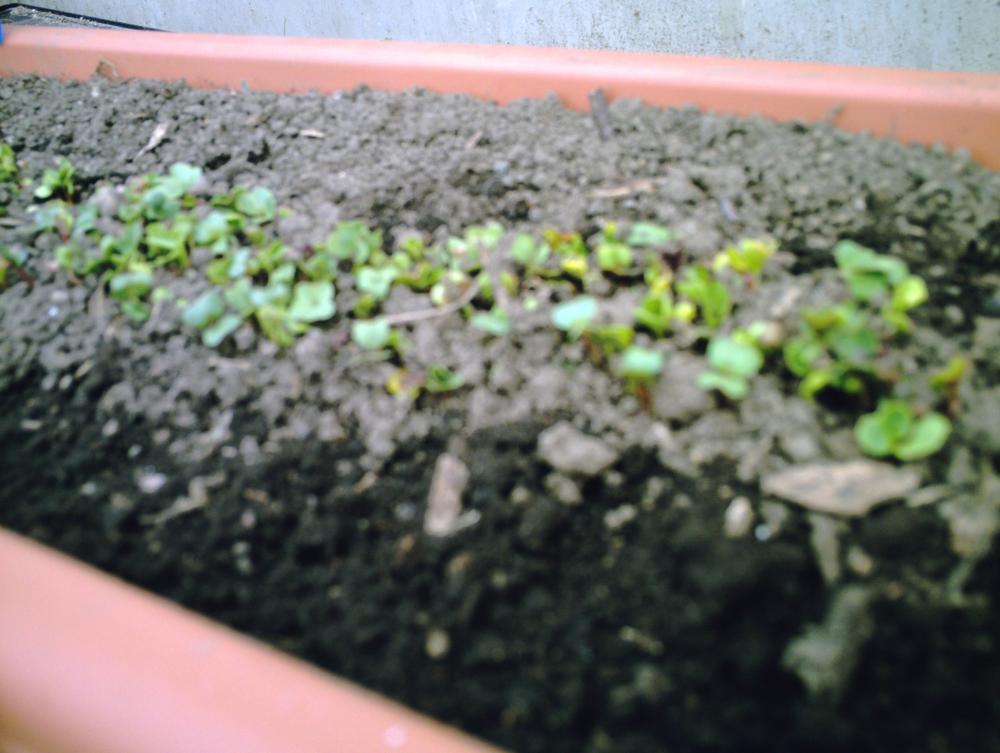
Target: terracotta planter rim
point(953, 109)
point(91, 665)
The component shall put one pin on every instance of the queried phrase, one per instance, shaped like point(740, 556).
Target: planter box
point(77, 671)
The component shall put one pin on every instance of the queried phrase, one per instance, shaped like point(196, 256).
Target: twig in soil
point(155, 140)
point(182, 506)
point(473, 140)
point(311, 133)
point(408, 317)
point(602, 116)
point(641, 185)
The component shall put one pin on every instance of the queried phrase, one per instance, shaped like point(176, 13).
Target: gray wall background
point(936, 34)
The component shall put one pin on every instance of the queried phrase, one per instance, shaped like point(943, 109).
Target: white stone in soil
point(850, 489)
point(739, 518)
point(444, 502)
point(569, 450)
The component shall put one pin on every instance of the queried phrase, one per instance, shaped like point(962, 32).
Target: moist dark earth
point(283, 492)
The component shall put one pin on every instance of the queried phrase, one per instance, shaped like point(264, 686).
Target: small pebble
point(89, 489)
point(66, 382)
point(620, 516)
point(31, 424)
point(110, 428)
point(150, 481)
point(614, 479)
point(134, 451)
point(860, 562)
point(519, 496)
point(53, 312)
point(437, 644)
point(564, 489)
point(248, 519)
point(739, 518)
point(762, 532)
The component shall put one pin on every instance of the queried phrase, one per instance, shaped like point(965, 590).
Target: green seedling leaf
point(258, 204)
point(167, 244)
point(646, 234)
point(204, 311)
point(213, 335)
point(732, 386)
point(135, 310)
point(277, 326)
point(655, 313)
point(868, 274)
point(614, 256)
point(802, 354)
point(747, 257)
point(372, 334)
point(8, 165)
point(575, 266)
point(495, 321)
point(951, 374)
point(613, 338)
point(353, 241)
point(928, 436)
point(131, 285)
point(893, 430)
point(709, 294)
point(527, 253)
point(575, 315)
point(565, 244)
point(312, 302)
point(909, 293)
point(57, 182)
point(183, 178)
point(640, 364)
point(376, 282)
point(240, 296)
point(442, 379)
point(730, 356)
point(213, 232)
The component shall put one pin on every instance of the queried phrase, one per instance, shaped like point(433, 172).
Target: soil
point(284, 492)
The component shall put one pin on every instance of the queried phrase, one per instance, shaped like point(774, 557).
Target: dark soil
point(564, 629)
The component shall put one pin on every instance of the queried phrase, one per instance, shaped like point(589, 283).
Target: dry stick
point(408, 317)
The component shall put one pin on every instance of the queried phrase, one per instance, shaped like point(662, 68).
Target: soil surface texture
point(544, 557)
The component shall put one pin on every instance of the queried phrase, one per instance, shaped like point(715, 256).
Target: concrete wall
point(939, 34)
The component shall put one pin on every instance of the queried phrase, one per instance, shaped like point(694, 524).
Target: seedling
point(258, 204)
point(893, 429)
point(312, 302)
point(8, 165)
point(734, 361)
point(868, 275)
point(746, 258)
point(908, 293)
point(11, 258)
point(215, 232)
point(655, 313)
point(710, 295)
point(376, 282)
point(835, 350)
point(57, 182)
point(495, 321)
point(575, 315)
point(612, 255)
point(640, 365)
point(352, 241)
point(612, 338)
point(442, 379)
point(530, 255)
point(646, 234)
point(948, 379)
point(371, 334)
